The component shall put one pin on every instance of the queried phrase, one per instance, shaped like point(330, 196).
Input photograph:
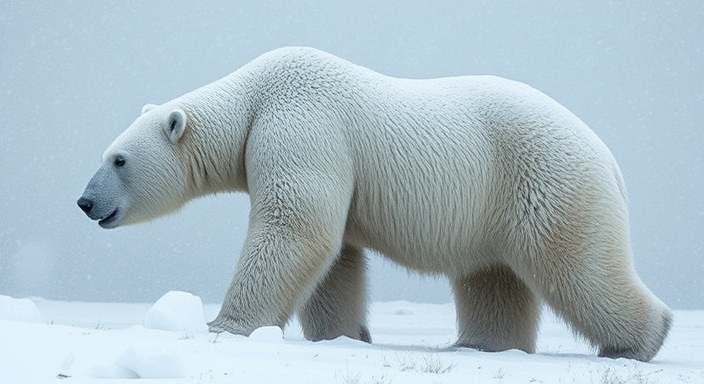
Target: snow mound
point(19, 310)
point(144, 362)
point(112, 371)
point(177, 311)
point(267, 334)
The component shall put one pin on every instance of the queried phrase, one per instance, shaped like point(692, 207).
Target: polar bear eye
point(119, 161)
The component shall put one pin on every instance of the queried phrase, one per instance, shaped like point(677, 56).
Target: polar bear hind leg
point(603, 300)
point(338, 306)
point(496, 311)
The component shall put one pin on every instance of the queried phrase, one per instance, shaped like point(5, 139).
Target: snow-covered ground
point(46, 341)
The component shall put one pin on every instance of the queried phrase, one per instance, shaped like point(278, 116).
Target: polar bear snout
point(107, 217)
point(102, 201)
point(85, 204)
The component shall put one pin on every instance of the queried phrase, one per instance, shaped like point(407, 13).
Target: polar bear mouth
point(109, 219)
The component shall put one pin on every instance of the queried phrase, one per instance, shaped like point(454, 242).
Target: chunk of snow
point(177, 311)
point(19, 310)
point(149, 362)
point(66, 366)
point(112, 371)
point(267, 334)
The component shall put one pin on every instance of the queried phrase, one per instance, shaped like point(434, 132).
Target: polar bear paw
point(224, 324)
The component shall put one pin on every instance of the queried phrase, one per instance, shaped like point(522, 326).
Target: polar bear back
point(440, 168)
point(448, 167)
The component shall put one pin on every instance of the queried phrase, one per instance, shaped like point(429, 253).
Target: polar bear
point(480, 179)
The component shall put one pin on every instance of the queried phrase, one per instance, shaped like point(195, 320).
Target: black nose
point(85, 204)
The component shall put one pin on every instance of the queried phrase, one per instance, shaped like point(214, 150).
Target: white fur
point(481, 179)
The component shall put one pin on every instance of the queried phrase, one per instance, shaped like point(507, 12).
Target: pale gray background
point(73, 75)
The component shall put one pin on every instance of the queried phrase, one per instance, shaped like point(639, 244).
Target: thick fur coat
point(483, 180)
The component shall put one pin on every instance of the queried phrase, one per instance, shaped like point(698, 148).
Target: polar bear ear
point(176, 125)
point(148, 107)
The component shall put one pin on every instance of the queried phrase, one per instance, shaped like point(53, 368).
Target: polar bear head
point(143, 174)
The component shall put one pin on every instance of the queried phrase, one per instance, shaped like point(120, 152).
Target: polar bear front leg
point(338, 306)
point(276, 270)
point(496, 311)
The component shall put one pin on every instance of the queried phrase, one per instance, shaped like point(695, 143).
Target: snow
point(267, 334)
point(177, 311)
point(88, 342)
point(151, 362)
point(19, 310)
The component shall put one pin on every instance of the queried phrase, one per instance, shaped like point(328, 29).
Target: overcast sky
point(73, 75)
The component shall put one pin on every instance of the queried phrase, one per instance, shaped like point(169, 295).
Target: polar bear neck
point(219, 118)
point(222, 113)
